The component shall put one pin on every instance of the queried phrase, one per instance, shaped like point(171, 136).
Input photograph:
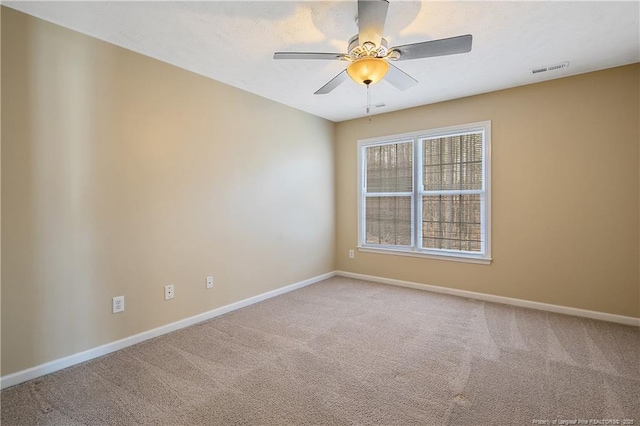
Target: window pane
point(452, 163)
point(452, 222)
point(388, 220)
point(390, 167)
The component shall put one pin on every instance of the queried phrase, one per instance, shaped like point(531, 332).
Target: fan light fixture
point(369, 56)
point(368, 70)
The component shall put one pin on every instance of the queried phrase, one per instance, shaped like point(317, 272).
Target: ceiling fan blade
point(429, 49)
point(399, 79)
point(371, 17)
point(333, 83)
point(308, 55)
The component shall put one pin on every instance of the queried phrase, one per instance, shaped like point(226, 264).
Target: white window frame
point(484, 257)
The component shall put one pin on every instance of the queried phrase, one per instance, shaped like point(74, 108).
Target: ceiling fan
point(370, 57)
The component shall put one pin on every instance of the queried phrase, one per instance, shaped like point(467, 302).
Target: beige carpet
point(350, 352)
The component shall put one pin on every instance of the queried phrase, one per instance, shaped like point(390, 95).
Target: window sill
point(448, 257)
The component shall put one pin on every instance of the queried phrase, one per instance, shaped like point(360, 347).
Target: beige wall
point(565, 192)
point(121, 174)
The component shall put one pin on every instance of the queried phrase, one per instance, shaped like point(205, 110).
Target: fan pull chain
point(369, 103)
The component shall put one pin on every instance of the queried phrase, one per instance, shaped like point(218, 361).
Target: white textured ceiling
point(233, 42)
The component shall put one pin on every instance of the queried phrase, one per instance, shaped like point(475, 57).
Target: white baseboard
point(603, 316)
point(68, 361)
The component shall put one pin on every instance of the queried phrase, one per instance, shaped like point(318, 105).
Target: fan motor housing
point(357, 51)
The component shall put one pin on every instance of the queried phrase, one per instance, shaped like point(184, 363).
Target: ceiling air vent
point(550, 68)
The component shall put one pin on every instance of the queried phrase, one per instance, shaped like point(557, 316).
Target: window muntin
point(427, 193)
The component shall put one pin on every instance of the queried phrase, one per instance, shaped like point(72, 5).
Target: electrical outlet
point(209, 281)
point(168, 292)
point(118, 304)
point(352, 254)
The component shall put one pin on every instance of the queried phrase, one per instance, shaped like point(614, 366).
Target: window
point(427, 193)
